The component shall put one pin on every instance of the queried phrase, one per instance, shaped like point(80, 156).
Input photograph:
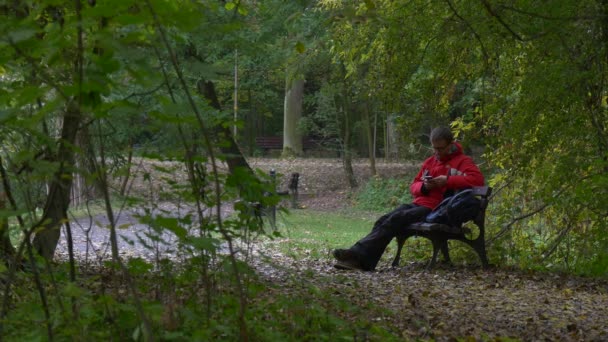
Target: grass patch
point(315, 234)
point(381, 194)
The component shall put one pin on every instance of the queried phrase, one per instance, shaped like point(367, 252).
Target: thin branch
point(210, 151)
point(189, 161)
point(17, 256)
point(25, 244)
point(46, 78)
point(477, 36)
point(41, 291)
point(562, 234)
point(103, 180)
point(534, 212)
point(508, 226)
point(145, 93)
point(545, 17)
point(500, 20)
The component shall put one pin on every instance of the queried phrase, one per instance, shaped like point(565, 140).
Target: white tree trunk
point(292, 139)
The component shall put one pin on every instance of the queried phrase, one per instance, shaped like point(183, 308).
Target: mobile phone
point(427, 177)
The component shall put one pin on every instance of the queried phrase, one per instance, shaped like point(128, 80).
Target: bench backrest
point(484, 193)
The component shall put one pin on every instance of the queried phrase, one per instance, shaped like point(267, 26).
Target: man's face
point(441, 148)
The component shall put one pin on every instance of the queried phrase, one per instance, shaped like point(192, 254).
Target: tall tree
point(294, 97)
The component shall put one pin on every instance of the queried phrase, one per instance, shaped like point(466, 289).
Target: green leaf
point(72, 290)
point(172, 224)
point(230, 6)
point(21, 35)
point(300, 48)
point(139, 266)
point(137, 333)
point(203, 243)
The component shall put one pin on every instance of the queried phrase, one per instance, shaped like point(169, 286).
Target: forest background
point(90, 88)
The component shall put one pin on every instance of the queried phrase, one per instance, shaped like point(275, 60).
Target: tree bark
point(347, 157)
point(232, 152)
point(58, 199)
point(292, 112)
point(370, 139)
point(6, 247)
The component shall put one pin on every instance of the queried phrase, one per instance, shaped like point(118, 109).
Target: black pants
point(370, 248)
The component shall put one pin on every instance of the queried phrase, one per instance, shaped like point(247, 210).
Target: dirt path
point(322, 187)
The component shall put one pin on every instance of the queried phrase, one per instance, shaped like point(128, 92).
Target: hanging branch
point(41, 292)
point(562, 234)
point(145, 93)
point(477, 36)
point(197, 184)
point(25, 244)
point(500, 20)
point(102, 179)
point(39, 71)
point(508, 226)
point(207, 140)
point(546, 17)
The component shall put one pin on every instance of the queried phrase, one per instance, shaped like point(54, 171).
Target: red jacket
point(461, 171)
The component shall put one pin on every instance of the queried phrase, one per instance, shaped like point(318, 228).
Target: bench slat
point(438, 227)
point(481, 191)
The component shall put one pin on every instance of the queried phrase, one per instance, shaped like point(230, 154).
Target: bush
point(381, 194)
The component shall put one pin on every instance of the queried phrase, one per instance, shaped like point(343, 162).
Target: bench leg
point(479, 245)
point(433, 261)
point(400, 241)
point(480, 248)
point(439, 245)
point(446, 252)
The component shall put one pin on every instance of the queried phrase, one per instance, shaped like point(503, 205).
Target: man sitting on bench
point(447, 171)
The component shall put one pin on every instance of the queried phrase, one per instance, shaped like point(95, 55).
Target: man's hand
point(437, 182)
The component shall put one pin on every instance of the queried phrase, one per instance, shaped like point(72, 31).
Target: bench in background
point(276, 143)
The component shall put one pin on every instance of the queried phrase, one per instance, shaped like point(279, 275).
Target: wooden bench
point(276, 143)
point(269, 143)
point(439, 234)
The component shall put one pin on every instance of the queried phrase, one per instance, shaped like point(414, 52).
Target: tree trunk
point(347, 159)
point(294, 95)
point(6, 247)
point(251, 124)
point(125, 180)
point(370, 139)
point(58, 199)
point(233, 155)
point(392, 149)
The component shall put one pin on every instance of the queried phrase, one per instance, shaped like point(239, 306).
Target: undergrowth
point(185, 301)
point(380, 194)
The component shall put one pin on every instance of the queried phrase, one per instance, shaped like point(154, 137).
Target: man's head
point(442, 139)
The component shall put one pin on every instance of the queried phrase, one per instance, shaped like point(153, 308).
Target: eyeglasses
point(441, 148)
